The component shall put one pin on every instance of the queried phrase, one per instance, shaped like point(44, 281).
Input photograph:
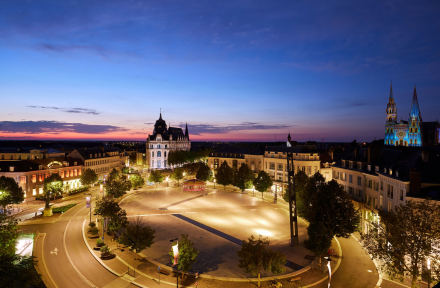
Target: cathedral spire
point(160, 115)
point(186, 131)
point(415, 111)
point(391, 90)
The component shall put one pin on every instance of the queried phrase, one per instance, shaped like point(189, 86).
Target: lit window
point(34, 178)
point(34, 191)
point(41, 190)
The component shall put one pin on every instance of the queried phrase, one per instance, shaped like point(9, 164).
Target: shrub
point(79, 190)
point(62, 209)
point(105, 249)
point(94, 231)
point(99, 242)
point(92, 224)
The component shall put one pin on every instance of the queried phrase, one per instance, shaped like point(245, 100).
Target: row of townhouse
point(30, 174)
point(273, 160)
point(385, 177)
point(8, 154)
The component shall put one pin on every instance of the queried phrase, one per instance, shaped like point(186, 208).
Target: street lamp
point(429, 273)
point(214, 183)
point(253, 190)
point(176, 259)
point(168, 183)
point(329, 270)
point(89, 203)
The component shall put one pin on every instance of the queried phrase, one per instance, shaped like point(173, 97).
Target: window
point(158, 146)
point(166, 147)
point(280, 166)
point(23, 180)
point(351, 165)
point(159, 154)
point(374, 202)
point(390, 191)
point(381, 200)
point(41, 190)
point(315, 169)
point(71, 173)
point(381, 185)
point(165, 163)
point(350, 178)
point(165, 153)
point(272, 166)
point(359, 180)
point(369, 182)
point(359, 166)
point(344, 176)
point(390, 206)
point(309, 170)
point(152, 163)
point(401, 194)
point(376, 185)
point(369, 167)
point(34, 191)
point(351, 190)
point(34, 178)
point(75, 172)
point(152, 154)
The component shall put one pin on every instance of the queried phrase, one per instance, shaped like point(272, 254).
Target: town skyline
point(237, 71)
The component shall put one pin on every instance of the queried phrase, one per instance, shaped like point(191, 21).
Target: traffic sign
point(158, 268)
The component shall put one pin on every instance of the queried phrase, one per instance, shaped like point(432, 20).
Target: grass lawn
point(62, 209)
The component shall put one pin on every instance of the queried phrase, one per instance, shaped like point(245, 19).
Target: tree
point(262, 182)
point(224, 175)
point(243, 176)
point(191, 168)
point(117, 221)
point(18, 271)
point(88, 177)
point(11, 192)
point(187, 254)
point(8, 233)
point(328, 206)
point(177, 174)
point(254, 256)
point(109, 208)
point(138, 236)
point(156, 177)
point(204, 173)
point(114, 174)
point(137, 180)
point(403, 240)
point(116, 187)
point(133, 158)
point(52, 185)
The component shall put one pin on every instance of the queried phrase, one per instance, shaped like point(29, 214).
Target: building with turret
point(414, 132)
point(163, 140)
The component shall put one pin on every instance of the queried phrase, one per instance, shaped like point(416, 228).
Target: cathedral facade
point(414, 132)
point(163, 140)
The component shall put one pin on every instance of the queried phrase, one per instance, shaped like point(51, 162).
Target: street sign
point(88, 202)
point(158, 268)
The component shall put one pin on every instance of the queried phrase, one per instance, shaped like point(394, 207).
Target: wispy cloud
point(69, 110)
point(215, 129)
point(55, 127)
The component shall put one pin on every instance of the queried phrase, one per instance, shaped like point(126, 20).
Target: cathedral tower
point(391, 119)
point(415, 122)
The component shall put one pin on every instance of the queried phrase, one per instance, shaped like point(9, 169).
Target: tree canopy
point(10, 192)
point(180, 157)
point(52, 185)
point(109, 208)
point(403, 240)
point(88, 177)
point(187, 254)
point(328, 204)
point(301, 180)
point(116, 187)
point(137, 180)
point(114, 174)
point(18, 271)
point(8, 233)
point(204, 173)
point(156, 177)
point(177, 174)
point(224, 175)
point(262, 182)
point(255, 255)
point(138, 236)
point(244, 177)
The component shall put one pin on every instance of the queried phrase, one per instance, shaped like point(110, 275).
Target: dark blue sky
point(234, 70)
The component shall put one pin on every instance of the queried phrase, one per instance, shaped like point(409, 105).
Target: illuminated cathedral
point(411, 132)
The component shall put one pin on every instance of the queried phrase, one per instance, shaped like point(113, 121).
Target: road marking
point(54, 251)
point(369, 271)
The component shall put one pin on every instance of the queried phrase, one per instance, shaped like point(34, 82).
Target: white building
point(164, 140)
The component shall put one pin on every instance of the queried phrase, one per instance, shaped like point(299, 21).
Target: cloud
point(70, 110)
point(215, 129)
point(55, 127)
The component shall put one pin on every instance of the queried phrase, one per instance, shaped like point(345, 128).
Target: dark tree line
point(180, 157)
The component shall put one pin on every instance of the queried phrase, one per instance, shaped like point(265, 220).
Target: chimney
point(415, 182)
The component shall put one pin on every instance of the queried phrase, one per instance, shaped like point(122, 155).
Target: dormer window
point(397, 173)
point(377, 168)
point(391, 172)
point(385, 170)
point(359, 166)
point(75, 164)
point(11, 168)
point(369, 167)
point(91, 155)
point(351, 164)
point(40, 167)
point(96, 155)
point(343, 163)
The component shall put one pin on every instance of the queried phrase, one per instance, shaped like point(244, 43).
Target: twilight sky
point(234, 70)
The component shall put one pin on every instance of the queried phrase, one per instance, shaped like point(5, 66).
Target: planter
point(97, 248)
point(48, 212)
point(94, 237)
point(107, 256)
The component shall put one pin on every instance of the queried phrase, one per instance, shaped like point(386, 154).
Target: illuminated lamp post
point(214, 183)
point(168, 183)
point(329, 270)
point(89, 204)
point(429, 273)
point(176, 257)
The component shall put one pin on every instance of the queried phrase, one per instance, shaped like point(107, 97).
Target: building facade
point(101, 160)
point(30, 174)
point(162, 142)
point(414, 132)
point(8, 154)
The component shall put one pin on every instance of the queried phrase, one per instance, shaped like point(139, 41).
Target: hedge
point(79, 190)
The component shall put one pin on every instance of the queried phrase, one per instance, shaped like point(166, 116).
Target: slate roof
point(85, 152)
point(292, 149)
point(33, 165)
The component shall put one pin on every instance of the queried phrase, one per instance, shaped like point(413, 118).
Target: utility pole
point(293, 218)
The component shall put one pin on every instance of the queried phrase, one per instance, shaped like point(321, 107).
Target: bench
point(164, 272)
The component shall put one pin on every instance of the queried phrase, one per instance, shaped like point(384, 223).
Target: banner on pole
point(176, 253)
point(100, 188)
point(87, 202)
